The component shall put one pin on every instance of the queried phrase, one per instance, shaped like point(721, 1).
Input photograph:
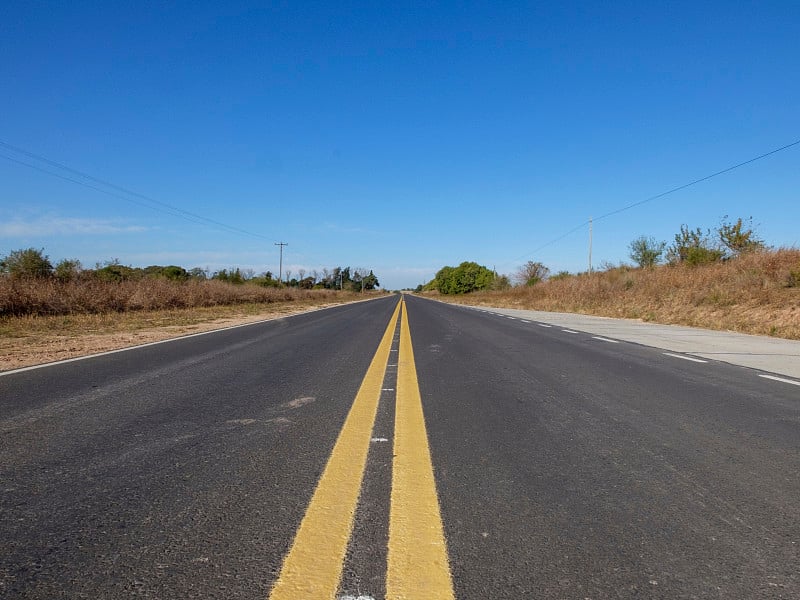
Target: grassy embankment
point(757, 293)
point(44, 320)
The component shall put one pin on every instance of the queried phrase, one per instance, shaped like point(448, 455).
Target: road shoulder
point(764, 353)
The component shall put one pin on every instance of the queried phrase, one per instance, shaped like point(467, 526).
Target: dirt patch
point(28, 341)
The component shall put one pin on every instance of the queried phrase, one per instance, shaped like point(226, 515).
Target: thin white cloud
point(49, 225)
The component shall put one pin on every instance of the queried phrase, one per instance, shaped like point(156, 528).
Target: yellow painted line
point(417, 562)
point(313, 566)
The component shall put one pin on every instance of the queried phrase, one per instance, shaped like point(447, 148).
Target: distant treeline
point(33, 263)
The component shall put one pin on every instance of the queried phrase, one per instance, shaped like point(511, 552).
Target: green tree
point(232, 276)
point(693, 247)
point(440, 280)
point(646, 251)
point(29, 263)
point(466, 277)
point(340, 279)
point(68, 270)
point(171, 272)
point(114, 271)
point(739, 238)
point(197, 273)
point(370, 281)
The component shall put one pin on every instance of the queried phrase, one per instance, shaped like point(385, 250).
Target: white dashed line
point(791, 381)
point(524, 321)
point(602, 339)
point(543, 325)
point(569, 331)
point(166, 341)
point(697, 360)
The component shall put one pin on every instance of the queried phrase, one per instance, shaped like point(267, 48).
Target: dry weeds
point(756, 293)
point(19, 297)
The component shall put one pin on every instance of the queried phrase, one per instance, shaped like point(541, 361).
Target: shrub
point(693, 247)
point(68, 270)
point(466, 277)
point(646, 251)
point(174, 273)
point(233, 276)
point(114, 271)
point(737, 238)
point(23, 297)
point(531, 273)
point(27, 264)
point(793, 279)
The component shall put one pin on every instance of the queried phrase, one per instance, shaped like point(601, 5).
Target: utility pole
point(280, 266)
point(590, 245)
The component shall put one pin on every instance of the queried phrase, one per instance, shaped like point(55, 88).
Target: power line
point(84, 184)
point(691, 183)
point(124, 194)
point(656, 197)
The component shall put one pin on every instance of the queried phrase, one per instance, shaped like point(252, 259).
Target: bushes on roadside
point(21, 297)
point(466, 277)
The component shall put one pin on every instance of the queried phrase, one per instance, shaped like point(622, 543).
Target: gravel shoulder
point(26, 342)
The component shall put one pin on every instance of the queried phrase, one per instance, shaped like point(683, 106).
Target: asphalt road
point(565, 465)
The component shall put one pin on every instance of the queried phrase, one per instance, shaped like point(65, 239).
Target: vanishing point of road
point(398, 448)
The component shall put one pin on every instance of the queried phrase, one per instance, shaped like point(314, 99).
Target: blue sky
point(394, 136)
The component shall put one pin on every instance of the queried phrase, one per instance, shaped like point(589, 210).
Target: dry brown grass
point(74, 319)
point(756, 293)
point(19, 297)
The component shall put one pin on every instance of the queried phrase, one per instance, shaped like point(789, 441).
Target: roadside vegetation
point(465, 278)
point(30, 285)
point(55, 311)
point(726, 279)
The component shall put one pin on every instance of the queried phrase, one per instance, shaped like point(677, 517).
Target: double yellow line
point(417, 565)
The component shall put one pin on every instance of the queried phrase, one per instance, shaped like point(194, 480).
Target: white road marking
point(602, 339)
point(379, 440)
point(168, 340)
point(792, 381)
point(524, 321)
point(697, 360)
point(569, 331)
point(387, 389)
point(543, 325)
point(512, 318)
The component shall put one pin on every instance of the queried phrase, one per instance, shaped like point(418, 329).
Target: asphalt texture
point(567, 466)
point(180, 470)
